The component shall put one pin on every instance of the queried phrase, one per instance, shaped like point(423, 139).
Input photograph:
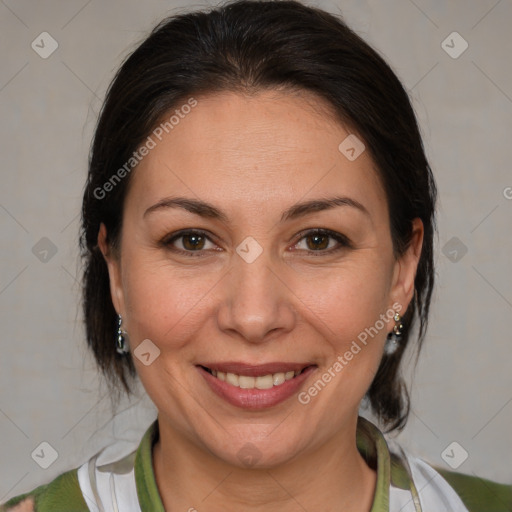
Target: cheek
point(349, 306)
point(163, 303)
point(348, 298)
point(357, 314)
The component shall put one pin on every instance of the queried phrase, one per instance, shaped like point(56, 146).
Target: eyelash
point(342, 240)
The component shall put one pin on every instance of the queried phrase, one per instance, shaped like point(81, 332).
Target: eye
point(195, 242)
point(321, 241)
point(188, 242)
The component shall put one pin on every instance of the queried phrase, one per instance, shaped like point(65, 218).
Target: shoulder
point(63, 494)
point(92, 482)
point(436, 488)
point(479, 494)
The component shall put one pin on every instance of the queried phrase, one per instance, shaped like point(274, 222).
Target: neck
point(332, 477)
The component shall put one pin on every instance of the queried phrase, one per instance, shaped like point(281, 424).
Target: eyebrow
point(204, 209)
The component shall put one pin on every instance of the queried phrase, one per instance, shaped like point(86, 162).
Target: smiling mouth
point(267, 381)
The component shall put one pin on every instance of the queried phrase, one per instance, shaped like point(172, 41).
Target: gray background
point(50, 390)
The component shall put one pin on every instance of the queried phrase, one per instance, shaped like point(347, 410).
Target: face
point(223, 265)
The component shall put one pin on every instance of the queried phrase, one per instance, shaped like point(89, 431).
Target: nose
point(257, 303)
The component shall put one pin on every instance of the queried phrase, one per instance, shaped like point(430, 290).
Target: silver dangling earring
point(121, 346)
point(394, 338)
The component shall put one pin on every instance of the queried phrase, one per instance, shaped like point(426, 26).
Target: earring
point(121, 346)
point(394, 338)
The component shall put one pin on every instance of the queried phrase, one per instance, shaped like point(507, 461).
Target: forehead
point(270, 146)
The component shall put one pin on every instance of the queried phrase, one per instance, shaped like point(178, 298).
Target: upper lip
point(255, 370)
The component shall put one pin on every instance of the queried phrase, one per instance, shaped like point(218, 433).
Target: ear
point(114, 270)
point(405, 268)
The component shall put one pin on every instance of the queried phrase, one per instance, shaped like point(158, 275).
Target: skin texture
point(253, 157)
point(24, 506)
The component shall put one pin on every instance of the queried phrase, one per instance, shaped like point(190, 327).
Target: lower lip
point(255, 398)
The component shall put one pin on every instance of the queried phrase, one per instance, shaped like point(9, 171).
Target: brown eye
point(189, 242)
point(193, 241)
point(315, 242)
point(322, 241)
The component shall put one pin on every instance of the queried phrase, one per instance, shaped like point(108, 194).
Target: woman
point(257, 228)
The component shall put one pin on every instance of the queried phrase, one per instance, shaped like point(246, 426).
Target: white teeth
point(246, 382)
point(232, 379)
point(279, 378)
point(262, 382)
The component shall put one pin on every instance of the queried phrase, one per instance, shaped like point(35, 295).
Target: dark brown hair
point(247, 46)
